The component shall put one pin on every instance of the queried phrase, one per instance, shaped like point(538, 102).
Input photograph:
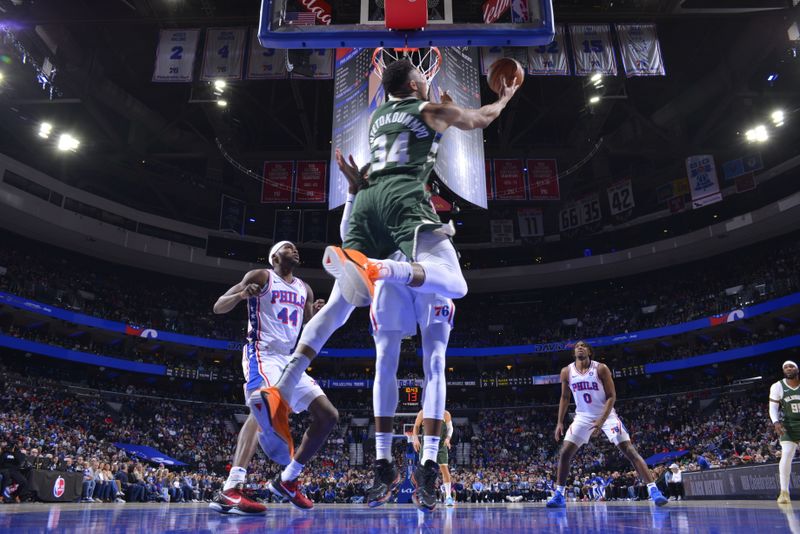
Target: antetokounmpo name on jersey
point(420, 129)
point(584, 386)
point(288, 297)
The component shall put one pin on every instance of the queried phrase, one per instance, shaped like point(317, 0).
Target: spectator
point(11, 462)
point(675, 483)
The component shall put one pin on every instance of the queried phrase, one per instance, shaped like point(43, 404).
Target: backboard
point(359, 24)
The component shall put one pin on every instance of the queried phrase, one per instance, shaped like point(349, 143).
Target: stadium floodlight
point(594, 100)
point(220, 85)
point(778, 117)
point(758, 134)
point(45, 129)
point(67, 142)
point(596, 77)
point(222, 103)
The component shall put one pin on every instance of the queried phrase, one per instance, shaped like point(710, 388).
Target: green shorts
point(443, 456)
point(388, 215)
point(792, 433)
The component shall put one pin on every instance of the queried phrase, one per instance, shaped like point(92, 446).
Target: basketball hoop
point(427, 60)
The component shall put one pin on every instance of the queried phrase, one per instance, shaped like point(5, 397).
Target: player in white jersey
point(278, 303)
point(392, 319)
point(592, 388)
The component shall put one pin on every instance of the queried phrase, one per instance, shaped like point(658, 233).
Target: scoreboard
point(410, 398)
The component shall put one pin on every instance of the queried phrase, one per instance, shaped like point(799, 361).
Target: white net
point(427, 60)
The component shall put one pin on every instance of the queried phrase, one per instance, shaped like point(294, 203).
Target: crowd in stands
point(683, 293)
point(512, 452)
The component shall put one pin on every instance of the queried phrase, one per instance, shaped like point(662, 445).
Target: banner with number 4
point(224, 55)
point(620, 197)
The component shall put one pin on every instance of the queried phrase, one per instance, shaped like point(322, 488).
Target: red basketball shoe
point(233, 501)
point(289, 490)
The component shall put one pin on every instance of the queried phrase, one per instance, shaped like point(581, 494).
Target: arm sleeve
point(348, 209)
point(775, 393)
point(449, 429)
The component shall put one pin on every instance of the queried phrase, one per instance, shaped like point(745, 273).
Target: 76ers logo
point(58, 487)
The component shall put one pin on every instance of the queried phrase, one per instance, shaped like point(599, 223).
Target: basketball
point(507, 68)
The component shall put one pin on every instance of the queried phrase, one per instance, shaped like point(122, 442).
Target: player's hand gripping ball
point(505, 69)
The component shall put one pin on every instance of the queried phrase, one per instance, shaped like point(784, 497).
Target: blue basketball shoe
point(657, 497)
point(557, 501)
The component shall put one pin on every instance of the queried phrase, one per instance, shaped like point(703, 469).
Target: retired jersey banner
point(509, 179)
point(703, 180)
point(491, 54)
point(590, 209)
point(278, 182)
point(543, 179)
point(311, 181)
point(620, 197)
point(592, 49)
point(265, 63)
point(640, 50)
point(531, 222)
point(224, 55)
point(321, 62)
point(551, 59)
point(175, 56)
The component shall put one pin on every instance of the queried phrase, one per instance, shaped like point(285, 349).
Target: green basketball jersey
point(400, 141)
point(790, 404)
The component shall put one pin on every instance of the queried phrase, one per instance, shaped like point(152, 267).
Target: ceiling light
point(773, 76)
point(222, 103)
point(594, 100)
point(758, 134)
point(220, 85)
point(67, 142)
point(45, 129)
point(778, 117)
point(596, 77)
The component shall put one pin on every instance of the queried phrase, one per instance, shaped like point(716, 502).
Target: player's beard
point(792, 376)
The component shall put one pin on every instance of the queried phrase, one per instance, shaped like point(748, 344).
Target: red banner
point(543, 179)
point(440, 205)
point(278, 182)
point(311, 181)
point(494, 9)
point(746, 182)
point(489, 184)
point(509, 179)
point(321, 9)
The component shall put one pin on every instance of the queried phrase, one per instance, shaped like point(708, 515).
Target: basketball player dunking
point(785, 394)
point(592, 387)
point(442, 455)
point(391, 320)
point(278, 303)
point(393, 213)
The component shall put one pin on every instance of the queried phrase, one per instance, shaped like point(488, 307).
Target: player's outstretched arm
point(250, 286)
point(442, 116)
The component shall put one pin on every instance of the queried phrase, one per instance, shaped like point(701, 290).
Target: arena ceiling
point(153, 145)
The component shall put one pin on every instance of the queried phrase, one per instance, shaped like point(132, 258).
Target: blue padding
point(724, 356)
point(372, 36)
point(80, 357)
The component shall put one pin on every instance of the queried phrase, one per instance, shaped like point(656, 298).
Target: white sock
point(237, 476)
point(383, 445)
point(291, 471)
point(447, 486)
point(429, 449)
point(560, 489)
point(398, 272)
point(291, 376)
point(788, 449)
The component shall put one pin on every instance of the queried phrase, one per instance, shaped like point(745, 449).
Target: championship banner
point(592, 49)
point(640, 50)
point(278, 182)
point(703, 180)
point(311, 181)
point(265, 63)
point(543, 179)
point(231, 215)
point(620, 197)
point(489, 182)
point(224, 55)
point(551, 59)
point(175, 56)
point(531, 222)
point(509, 179)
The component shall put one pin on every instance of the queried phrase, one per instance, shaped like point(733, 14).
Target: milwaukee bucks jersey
point(790, 404)
point(400, 141)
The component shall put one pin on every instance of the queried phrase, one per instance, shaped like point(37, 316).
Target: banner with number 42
point(620, 197)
